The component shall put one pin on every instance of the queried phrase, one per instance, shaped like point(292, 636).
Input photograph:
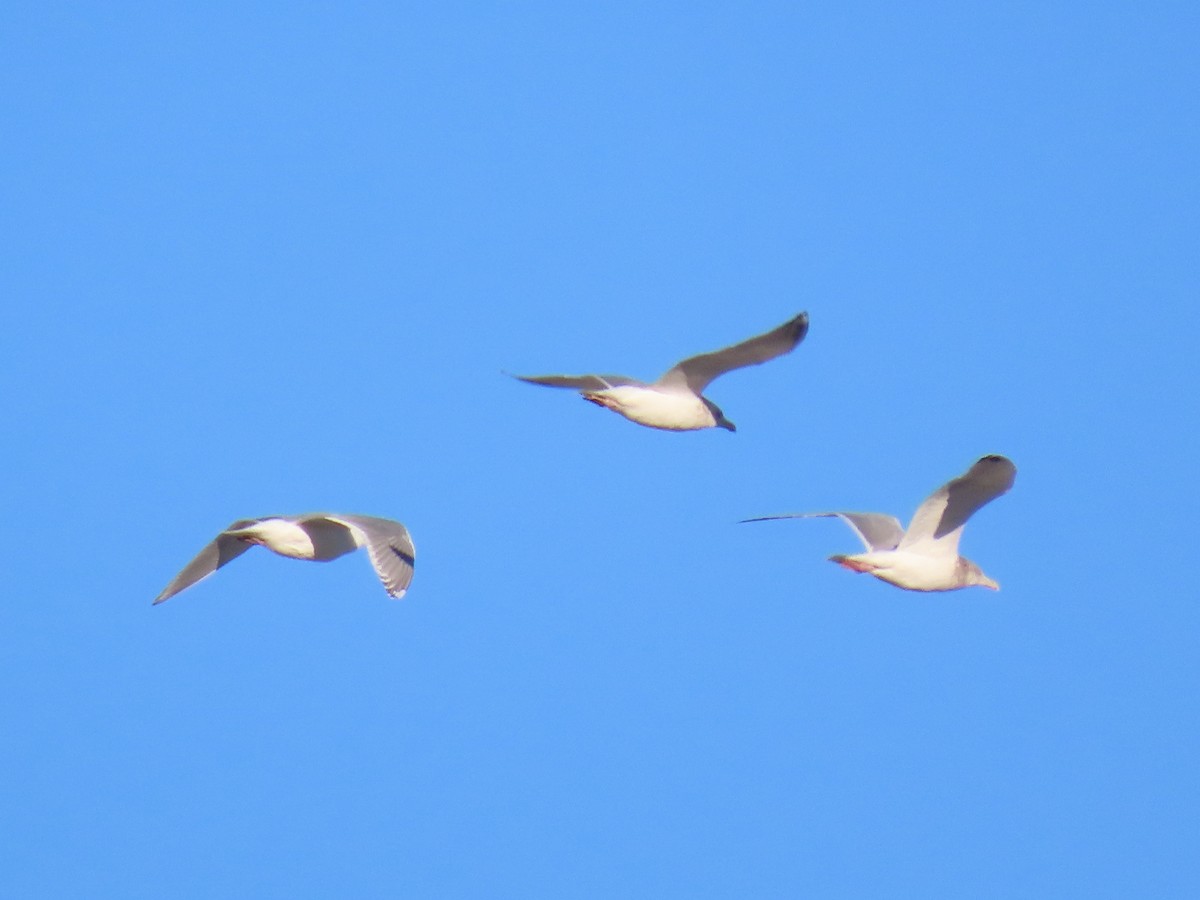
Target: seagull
point(925, 557)
point(316, 536)
point(675, 402)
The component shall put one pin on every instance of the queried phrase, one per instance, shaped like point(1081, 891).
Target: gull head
point(719, 420)
point(971, 575)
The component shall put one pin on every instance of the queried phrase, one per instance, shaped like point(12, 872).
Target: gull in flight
point(316, 536)
point(925, 557)
point(675, 402)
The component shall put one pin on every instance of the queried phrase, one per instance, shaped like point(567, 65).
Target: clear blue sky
point(275, 257)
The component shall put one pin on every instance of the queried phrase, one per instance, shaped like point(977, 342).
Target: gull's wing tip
point(996, 459)
point(799, 326)
point(994, 472)
point(542, 380)
point(999, 462)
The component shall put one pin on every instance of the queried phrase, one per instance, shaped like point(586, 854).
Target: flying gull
point(315, 536)
point(925, 557)
point(675, 401)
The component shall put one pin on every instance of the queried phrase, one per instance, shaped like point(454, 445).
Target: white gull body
point(676, 402)
point(314, 536)
point(925, 556)
point(660, 408)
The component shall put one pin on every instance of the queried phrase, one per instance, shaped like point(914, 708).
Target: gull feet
point(853, 565)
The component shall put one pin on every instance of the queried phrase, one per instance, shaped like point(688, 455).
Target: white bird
point(925, 557)
point(675, 401)
point(315, 536)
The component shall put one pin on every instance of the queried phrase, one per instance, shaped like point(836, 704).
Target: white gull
point(675, 402)
point(925, 557)
point(315, 536)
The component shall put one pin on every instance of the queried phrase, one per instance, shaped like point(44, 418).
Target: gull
point(675, 401)
point(925, 557)
point(315, 536)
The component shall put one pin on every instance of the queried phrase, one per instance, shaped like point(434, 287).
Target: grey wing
point(697, 372)
point(877, 531)
point(580, 382)
point(226, 547)
point(938, 522)
point(390, 548)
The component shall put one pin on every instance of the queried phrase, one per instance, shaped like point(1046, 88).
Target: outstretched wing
point(581, 382)
point(226, 547)
point(696, 372)
point(937, 525)
point(877, 531)
point(389, 546)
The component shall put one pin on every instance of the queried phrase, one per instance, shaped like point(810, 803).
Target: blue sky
point(274, 258)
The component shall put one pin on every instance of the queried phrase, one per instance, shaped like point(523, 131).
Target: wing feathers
point(697, 372)
point(222, 550)
point(390, 547)
point(940, 519)
point(877, 531)
point(580, 382)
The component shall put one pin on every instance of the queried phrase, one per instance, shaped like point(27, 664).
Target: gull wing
point(223, 549)
point(696, 372)
point(581, 382)
point(877, 531)
point(389, 546)
point(937, 525)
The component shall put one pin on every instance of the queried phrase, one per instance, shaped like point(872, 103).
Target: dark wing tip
point(799, 327)
point(998, 465)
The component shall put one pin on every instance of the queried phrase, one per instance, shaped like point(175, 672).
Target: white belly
point(285, 538)
point(669, 410)
point(911, 571)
